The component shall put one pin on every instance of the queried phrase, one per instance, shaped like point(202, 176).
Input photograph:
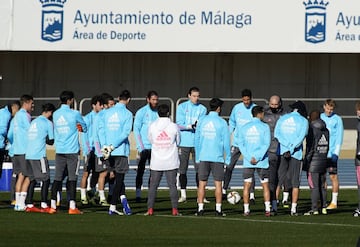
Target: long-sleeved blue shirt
point(40, 128)
point(5, 117)
point(17, 134)
point(254, 141)
point(115, 128)
point(335, 126)
point(212, 139)
point(87, 139)
point(65, 130)
point(187, 113)
point(240, 115)
point(143, 118)
point(290, 130)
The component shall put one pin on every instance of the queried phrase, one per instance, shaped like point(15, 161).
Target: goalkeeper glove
point(106, 151)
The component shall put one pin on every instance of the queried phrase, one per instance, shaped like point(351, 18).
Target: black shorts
point(20, 165)
point(331, 167)
point(121, 164)
point(249, 173)
point(90, 162)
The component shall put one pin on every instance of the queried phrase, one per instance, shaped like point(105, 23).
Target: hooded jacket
point(317, 147)
point(164, 137)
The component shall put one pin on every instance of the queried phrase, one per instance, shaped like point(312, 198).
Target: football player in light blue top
point(67, 122)
point(143, 118)
point(335, 126)
point(254, 141)
point(290, 130)
point(40, 133)
point(212, 151)
point(240, 115)
point(17, 137)
point(6, 114)
point(114, 131)
point(187, 115)
point(88, 148)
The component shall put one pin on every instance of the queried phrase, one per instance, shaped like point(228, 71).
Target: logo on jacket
point(163, 136)
point(52, 20)
point(315, 21)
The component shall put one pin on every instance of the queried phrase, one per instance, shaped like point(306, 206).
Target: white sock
point(183, 193)
point(72, 204)
point(138, 192)
point(293, 207)
point(102, 195)
point(200, 206)
point(252, 195)
point(246, 207)
point(82, 193)
point(334, 197)
point(224, 191)
point(285, 196)
point(267, 206)
point(53, 204)
point(44, 205)
point(22, 199)
point(17, 197)
point(218, 207)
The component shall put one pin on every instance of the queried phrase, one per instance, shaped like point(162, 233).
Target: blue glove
point(334, 158)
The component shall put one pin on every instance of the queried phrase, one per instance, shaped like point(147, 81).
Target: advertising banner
point(331, 26)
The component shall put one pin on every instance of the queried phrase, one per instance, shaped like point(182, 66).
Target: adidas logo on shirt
point(323, 140)
point(163, 136)
point(289, 125)
point(209, 127)
point(33, 127)
point(252, 135)
point(61, 121)
point(114, 118)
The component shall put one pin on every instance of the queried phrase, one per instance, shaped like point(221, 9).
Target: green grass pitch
point(96, 228)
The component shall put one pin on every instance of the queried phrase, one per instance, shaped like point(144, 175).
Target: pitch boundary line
point(261, 221)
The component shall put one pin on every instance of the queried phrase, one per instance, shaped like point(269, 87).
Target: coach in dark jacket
point(317, 147)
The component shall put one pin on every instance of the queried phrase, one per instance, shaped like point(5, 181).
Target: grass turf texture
point(96, 227)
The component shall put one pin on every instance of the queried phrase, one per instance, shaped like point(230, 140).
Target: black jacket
point(271, 118)
point(317, 147)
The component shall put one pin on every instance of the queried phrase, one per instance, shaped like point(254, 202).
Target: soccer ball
point(233, 197)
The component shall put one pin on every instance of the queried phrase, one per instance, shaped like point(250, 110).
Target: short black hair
point(215, 103)
point(48, 107)
point(97, 98)
point(193, 89)
point(246, 92)
point(256, 110)
point(25, 98)
point(163, 110)
point(151, 93)
point(106, 98)
point(124, 95)
point(66, 95)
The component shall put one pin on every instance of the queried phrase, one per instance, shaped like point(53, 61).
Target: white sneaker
point(182, 199)
point(206, 200)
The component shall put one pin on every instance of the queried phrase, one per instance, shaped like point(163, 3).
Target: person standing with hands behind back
point(164, 137)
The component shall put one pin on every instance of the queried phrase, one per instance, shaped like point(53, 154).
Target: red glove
point(79, 127)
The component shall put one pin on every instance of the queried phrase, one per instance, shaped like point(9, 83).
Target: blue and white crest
point(52, 20)
point(315, 21)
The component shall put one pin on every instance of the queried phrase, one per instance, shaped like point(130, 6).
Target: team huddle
point(269, 138)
